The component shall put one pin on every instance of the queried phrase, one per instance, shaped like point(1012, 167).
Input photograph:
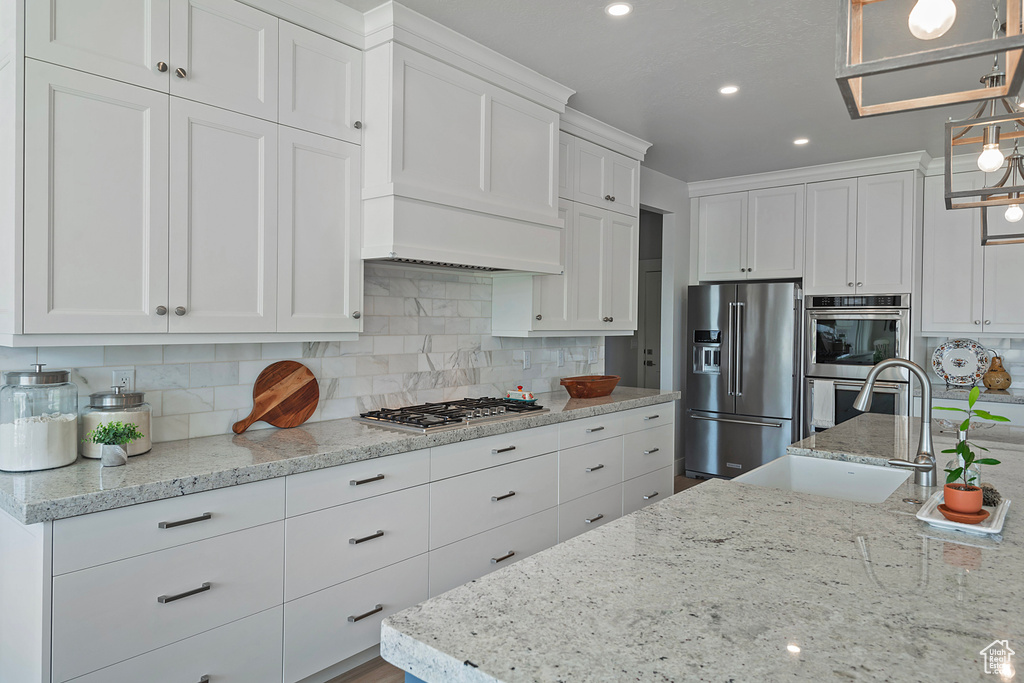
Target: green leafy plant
point(963, 448)
point(114, 433)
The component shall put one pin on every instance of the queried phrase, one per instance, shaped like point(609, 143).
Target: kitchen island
point(729, 581)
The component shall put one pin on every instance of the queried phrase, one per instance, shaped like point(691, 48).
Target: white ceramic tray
point(993, 524)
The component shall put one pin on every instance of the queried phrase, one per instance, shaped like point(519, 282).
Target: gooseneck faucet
point(924, 465)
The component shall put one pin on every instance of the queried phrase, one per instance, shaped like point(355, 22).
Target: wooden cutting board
point(285, 395)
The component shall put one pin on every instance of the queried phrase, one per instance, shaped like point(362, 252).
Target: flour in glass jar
point(33, 443)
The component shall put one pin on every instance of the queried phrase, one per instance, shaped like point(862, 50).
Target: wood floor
point(378, 671)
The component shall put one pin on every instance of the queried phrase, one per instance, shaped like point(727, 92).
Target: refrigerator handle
point(731, 350)
point(740, 321)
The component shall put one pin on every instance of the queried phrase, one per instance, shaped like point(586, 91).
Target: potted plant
point(113, 437)
point(962, 492)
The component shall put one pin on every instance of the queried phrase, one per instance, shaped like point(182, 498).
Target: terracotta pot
point(997, 377)
point(962, 498)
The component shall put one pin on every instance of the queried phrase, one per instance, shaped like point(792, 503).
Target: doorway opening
point(637, 358)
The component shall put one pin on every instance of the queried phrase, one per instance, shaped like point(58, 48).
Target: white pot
point(113, 455)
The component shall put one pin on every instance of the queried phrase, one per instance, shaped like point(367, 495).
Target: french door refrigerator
point(743, 376)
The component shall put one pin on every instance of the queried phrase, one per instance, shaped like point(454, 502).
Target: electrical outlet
point(526, 360)
point(123, 378)
point(561, 357)
point(592, 355)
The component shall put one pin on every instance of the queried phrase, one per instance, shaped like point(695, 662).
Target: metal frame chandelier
point(929, 19)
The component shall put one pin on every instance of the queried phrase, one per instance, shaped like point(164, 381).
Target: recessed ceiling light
point(795, 649)
point(801, 141)
point(729, 90)
point(619, 9)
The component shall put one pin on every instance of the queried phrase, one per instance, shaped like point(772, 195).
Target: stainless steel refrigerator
point(743, 376)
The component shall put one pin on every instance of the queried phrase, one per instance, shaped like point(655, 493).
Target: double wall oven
point(844, 337)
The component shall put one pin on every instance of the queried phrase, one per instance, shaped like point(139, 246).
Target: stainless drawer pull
point(376, 608)
point(495, 499)
point(593, 519)
point(595, 429)
point(595, 468)
point(201, 518)
point(496, 560)
point(205, 679)
point(652, 417)
point(653, 450)
point(360, 482)
point(163, 599)
point(650, 495)
point(495, 451)
point(357, 541)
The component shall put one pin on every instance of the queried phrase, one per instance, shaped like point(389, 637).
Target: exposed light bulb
point(931, 18)
point(1013, 213)
point(991, 159)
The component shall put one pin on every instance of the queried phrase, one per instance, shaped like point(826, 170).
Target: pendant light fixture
point(928, 20)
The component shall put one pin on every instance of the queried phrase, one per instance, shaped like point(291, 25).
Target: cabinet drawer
point(588, 468)
point(589, 512)
point(646, 489)
point(322, 629)
point(471, 558)
point(648, 450)
point(244, 651)
point(326, 488)
point(477, 454)
point(106, 614)
point(589, 429)
point(340, 543)
point(102, 537)
point(646, 418)
point(463, 506)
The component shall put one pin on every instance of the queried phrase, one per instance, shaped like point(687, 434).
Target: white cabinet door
point(1004, 289)
point(321, 84)
point(589, 261)
point(621, 272)
point(951, 298)
point(95, 204)
point(722, 237)
point(521, 153)
point(775, 233)
point(223, 221)
point(624, 178)
point(551, 292)
point(566, 165)
point(122, 39)
point(885, 233)
point(831, 258)
point(320, 272)
point(606, 179)
point(227, 52)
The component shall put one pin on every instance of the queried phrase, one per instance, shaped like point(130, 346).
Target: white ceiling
point(656, 74)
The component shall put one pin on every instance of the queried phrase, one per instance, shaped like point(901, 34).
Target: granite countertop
point(718, 582)
point(192, 465)
point(1011, 395)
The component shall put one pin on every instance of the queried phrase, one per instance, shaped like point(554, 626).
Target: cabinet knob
point(539, 316)
point(977, 322)
point(180, 310)
point(180, 73)
point(161, 67)
point(605, 319)
point(161, 310)
point(357, 125)
point(849, 284)
point(611, 319)
point(357, 315)
point(988, 322)
point(607, 197)
point(860, 284)
point(613, 198)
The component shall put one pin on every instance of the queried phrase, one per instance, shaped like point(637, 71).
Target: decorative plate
point(961, 362)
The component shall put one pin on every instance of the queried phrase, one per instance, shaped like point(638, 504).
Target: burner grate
point(429, 416)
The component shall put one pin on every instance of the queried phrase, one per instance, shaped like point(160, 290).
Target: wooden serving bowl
point(590, 386)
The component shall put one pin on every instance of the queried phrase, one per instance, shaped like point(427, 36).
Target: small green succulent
point(114, 434)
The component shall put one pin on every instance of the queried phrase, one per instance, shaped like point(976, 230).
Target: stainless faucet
point(924, 465)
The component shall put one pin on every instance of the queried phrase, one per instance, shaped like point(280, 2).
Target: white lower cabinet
point(589, 512)
point(649, 450)
point(646, 489)
point(244, 651)
point(471, 558)
point(331, 625)
point(109, 613)
point(589, 468)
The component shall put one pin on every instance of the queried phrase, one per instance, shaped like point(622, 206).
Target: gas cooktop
point(434, 417)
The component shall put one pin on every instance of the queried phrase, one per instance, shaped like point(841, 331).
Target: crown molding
point(587, 127)
point(910, 161)
point(393, 22)
point(329, 18)
point(962, 163)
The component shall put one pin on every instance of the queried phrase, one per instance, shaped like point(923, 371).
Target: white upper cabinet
point(622, 253)
point(224, 53)
point(566, 165)
point(127, 40)
point(1004, 289)
point(604, 290)
point(321, 84)
point(605, 178)
point(223, 221)
point(831, 237)
point(723, 236)
point(95, 204)
point(320, 273)
point(551, 293)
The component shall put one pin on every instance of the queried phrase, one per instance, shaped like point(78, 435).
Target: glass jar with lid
point(117, 405)
point(38, 420)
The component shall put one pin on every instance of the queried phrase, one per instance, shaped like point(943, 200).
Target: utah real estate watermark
point(999, 659)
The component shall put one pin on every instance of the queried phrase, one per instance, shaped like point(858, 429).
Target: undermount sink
point(829, 478)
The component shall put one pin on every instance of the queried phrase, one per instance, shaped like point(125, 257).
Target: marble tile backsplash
point(1010, 350)
point(426, 338)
